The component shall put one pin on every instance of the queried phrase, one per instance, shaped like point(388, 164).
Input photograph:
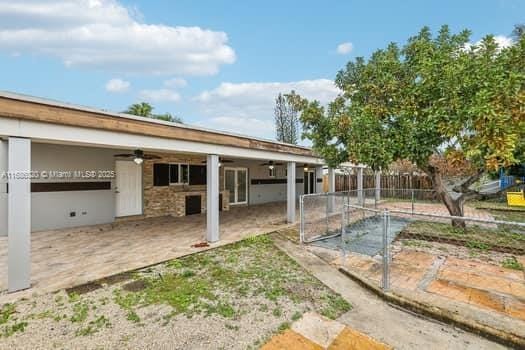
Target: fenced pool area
point(413, 247)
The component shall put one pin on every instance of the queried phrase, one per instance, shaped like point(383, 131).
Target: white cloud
point(248, 107)
point(502, 41)
point(160, 95)
point(345, 48)
point(175, 83)
point(117, 85)
point(105, 35)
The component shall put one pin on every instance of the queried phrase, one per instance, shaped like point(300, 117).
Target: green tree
point(286, 115)
point(519, 31)
point(434, 97)
point(144, 109)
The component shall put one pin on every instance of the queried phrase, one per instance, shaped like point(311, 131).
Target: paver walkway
point(315, 332)
point(69, 257)
point(478, 284)
point(373, 316)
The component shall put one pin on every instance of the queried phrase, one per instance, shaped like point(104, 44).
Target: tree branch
point(464, 187)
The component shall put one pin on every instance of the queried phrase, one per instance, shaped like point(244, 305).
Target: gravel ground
point(233, 297)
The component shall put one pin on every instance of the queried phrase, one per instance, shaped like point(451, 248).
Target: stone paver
point(350, 339)
point(290, 340)
point(69, 257)
point(314, 332)
point(375, 317)
point(318, 329)
point(475, 283)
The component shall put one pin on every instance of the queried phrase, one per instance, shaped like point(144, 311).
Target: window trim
point(179, 166)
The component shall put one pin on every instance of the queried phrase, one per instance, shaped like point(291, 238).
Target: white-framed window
point(179, 174)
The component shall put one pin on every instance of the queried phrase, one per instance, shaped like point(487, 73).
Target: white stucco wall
point(52, 209)
point(3, 188)
point(265, 193)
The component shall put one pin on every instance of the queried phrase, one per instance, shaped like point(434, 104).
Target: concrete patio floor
point(69, 257)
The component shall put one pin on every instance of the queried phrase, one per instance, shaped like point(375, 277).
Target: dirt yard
point(233, 297)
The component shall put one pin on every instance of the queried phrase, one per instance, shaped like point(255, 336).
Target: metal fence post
point(412, 201)
point(327, 213)
point(301, 226)
point(343, 227)
point(386, 253)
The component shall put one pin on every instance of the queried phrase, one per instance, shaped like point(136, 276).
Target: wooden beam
point(41, 112)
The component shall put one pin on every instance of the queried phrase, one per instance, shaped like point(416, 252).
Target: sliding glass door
point(236, 182)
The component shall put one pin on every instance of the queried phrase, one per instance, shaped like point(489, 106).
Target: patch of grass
point(94, 326)
point(335, 306)
point(477, 245)
point(47, 314)
point(132, 316)
point(496, 205)
point(277, 312)
point(6, 315)
point(512, 263)
point(283, 326)
point(9, 330)
point(222, 308)
point(212, 282)
point(6, 311)
point(80, 312)
point(502, 237)
point(73, 297)
point(296, 316)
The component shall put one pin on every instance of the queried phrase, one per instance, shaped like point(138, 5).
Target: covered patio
point(70, 257)
point(87, 193)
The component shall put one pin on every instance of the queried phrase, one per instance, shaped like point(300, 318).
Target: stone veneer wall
point(171, 200)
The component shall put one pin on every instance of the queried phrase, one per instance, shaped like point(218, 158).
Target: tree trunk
point(454, 205)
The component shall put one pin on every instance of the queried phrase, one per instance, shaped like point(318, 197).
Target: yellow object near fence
point(516, 199)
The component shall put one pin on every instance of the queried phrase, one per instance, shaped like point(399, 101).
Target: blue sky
point(217, 64)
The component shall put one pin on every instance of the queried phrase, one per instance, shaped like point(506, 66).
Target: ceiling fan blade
point(124, 155)
point(151, 156)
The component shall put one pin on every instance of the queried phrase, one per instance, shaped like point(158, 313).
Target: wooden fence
point(388, 182)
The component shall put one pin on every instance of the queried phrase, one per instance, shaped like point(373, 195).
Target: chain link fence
point(320, 212)
point(406, 240)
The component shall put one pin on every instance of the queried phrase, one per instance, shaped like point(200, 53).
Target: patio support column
point(331, 189)
point(212, 198)
point(290, 192)
point(360, 193)
point(19, 214)
point(378, 185)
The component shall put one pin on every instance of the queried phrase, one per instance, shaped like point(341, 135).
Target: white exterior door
point(236, 182)
point(128, 188)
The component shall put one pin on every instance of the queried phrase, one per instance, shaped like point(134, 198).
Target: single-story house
point(63, 166)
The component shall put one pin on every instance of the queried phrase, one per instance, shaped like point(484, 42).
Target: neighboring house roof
point(26, 107)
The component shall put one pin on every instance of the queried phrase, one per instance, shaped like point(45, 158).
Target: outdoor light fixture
point(139, 157)
point(270, 165)
point(220, 164)
point(305, 167)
